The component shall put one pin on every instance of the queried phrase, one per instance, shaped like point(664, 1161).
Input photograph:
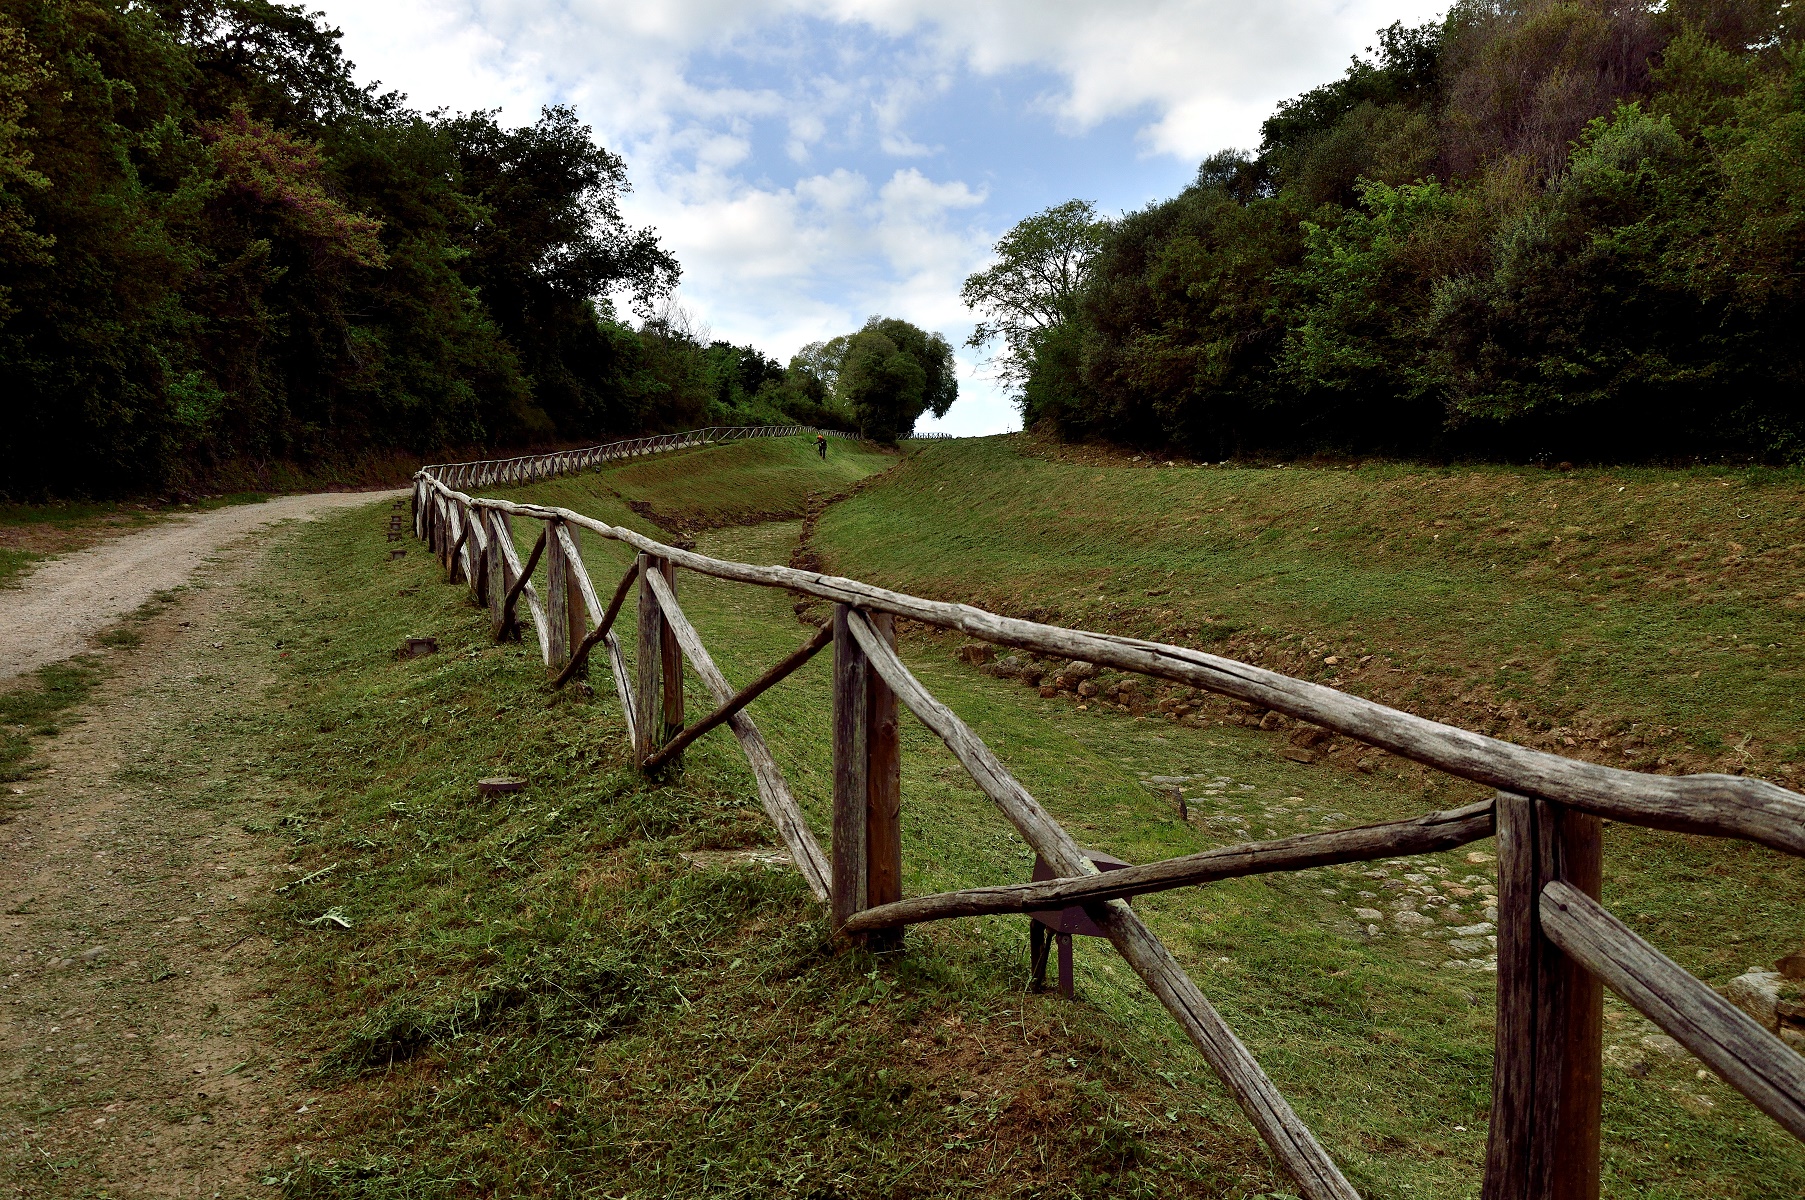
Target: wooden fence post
point(1547, 1077)
point(867, 837)
point(660, 667)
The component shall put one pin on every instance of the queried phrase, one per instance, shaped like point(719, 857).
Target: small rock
point(91, 954)
point(1297, 754)
point(1666, 1047)
point(500, 785)
point(1410, 920)
point(1793, 965)
point(1479, 930)
point(1478, 857)
point(1757, 993)
point(1368, 914)
point(1079, 669)
point(978, 653)
point(1468, 945)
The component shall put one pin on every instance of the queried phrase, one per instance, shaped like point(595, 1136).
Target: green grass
point(538, 993)
point(763, 479)
point(1645, 614)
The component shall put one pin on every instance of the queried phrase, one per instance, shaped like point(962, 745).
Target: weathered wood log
point(479, 558)
point(521, 584)
point(883, 795)
point(1296, 1148)
point(1547, 1084)
point(501, 563)
point(563, 603)
point(1427, 834)
point(851, 760)
point(523, 577)
point(629, 709)
point(603, 625)
point(670, 661)
point(773, 792)
point(649, 660)
point(1726, 805)
point(743, 697)
point(1722, 1036)
point(454, 572)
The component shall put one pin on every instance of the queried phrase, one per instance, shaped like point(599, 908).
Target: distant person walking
point(821, 445)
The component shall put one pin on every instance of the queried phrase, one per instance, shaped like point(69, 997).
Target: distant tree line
point(216, 249)
point(1551, 228)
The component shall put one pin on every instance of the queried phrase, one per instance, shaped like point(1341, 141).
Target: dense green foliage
point(1540, 228)
point(216, 248)
point(879, 379)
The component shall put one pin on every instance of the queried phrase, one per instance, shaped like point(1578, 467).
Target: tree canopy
point(217, 248)
point(1536, 228)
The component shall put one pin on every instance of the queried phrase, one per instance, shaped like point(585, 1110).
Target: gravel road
point(54, 612)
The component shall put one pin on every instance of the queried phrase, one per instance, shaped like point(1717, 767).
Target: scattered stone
point(420, 647)
point(1757, 993)
point(1666, 1047)
point(1793, 965)
point(1368, 914)
point(1407, 919)
point(1479, 930)
point(978, 653)
point(1479, 857)
point(1298, 754)
point(1468, 945)
point(91, 954)
point(500, 785)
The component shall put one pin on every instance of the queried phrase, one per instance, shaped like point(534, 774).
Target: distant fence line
point(1556, 943)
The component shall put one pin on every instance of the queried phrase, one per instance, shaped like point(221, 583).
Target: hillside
point(597, 986)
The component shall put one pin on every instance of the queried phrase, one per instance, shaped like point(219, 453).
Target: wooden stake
point(1547, 1077)
point(563, 604)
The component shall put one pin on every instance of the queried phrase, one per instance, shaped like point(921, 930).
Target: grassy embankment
point(540, 994)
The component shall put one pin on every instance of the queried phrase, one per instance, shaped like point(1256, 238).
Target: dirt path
point(134, 1060)
point(55, 610)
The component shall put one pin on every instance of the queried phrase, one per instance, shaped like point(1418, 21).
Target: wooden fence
point(1557, 945)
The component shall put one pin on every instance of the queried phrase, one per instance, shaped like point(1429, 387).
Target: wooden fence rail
point(1557, 946)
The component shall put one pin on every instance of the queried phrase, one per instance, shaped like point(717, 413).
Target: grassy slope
point(1644, 614)
point(536, 994)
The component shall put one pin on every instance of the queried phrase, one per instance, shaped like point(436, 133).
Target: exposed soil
point(56, 609)
point(136, 1061)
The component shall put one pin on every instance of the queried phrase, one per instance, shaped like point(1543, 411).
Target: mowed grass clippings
point(536, 994)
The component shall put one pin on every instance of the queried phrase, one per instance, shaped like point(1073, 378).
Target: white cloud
point(685, 89)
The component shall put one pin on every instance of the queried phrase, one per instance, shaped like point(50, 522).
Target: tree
point(1033, 289)
point(893, 372)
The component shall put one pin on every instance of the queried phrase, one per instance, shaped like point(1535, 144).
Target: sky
point(812, 163)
